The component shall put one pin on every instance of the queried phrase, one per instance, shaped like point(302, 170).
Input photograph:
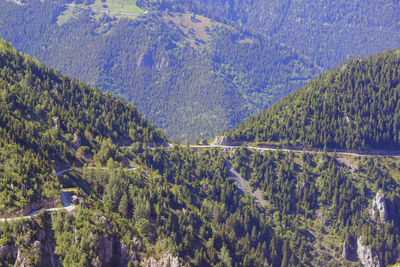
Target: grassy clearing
point(114, 8)
point(121, 6)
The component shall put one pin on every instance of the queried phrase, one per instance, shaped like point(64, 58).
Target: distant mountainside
point(356, 106)
point(329, 32)
point(189, 75)
point(47, 119)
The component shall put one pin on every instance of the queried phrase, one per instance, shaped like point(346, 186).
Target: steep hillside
point(356, 106)
point(48, 121)
point(180, 205)
point(176, 205)
point(189, 75)
point(330, 209)
point(330, 32)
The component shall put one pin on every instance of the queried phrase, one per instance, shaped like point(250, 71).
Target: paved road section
point(66, 197)
point(300, 151)
point(240, 182)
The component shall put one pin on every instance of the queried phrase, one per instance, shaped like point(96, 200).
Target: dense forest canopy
point(317, 209)
point(190, 76)
point(356, 106)
point(185, 203)
point(47, 119)
point(320, 201)
point(330, 32)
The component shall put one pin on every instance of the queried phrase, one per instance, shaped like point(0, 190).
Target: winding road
point(300, 151)
point(240, 182)
point(243, 185)
point(66, 197)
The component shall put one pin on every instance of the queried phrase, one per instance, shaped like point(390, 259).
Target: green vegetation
point(356, 106)
point(181, 63)
point(318, 202)
point(183, 202)
point(191, 76)
point(329, 32)
point(46, 120)
point(114, 8)
point(128, 6)
point(179, 202)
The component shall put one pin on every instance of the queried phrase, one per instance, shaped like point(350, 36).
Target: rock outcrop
point(26, 251)
point(166, 261)
point(7, 250)
point(346, 251)
point(224, 140)
point(36, 246)
point(77, 140)
point(379, 205)
point(367, 256)
point(105, 245)
point(125, 255)
point(56, 122)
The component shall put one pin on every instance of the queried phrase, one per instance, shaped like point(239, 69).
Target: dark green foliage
point(329, 32)
point(188, 206)
point(180, 202)
point(356, 106)
point(44, 118)
point(308, 190)
point(190, 93)
point(183, 202)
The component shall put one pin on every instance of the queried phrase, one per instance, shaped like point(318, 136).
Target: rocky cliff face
point(105, 245)
point(37, 248)
point(367, 257)
point(166, 261)
point(8, 250)
point(110, 250)
point(379, 206)
point(345, 252)
point(25, 252)
point(224, 140)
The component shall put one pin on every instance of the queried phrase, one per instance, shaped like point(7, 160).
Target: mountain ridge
point(42, 119)
point(344, 108)
point(191, 80)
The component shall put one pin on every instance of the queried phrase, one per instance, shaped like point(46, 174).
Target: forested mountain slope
point(47, 120)
point(180, 205)
point(189, 75)
point(356, 106)
point(176, 203)
point(330, 209)
point(330, 32)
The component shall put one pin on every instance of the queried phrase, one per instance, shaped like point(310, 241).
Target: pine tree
point(123, 205)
